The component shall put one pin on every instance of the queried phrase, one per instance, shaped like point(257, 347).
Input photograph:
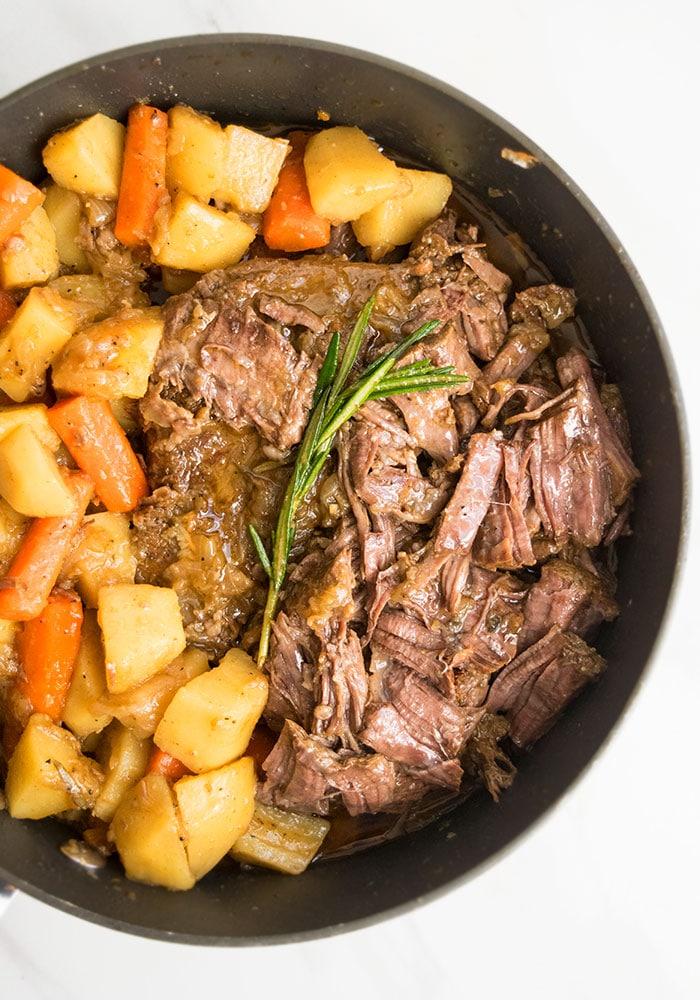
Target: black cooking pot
point(260, 79)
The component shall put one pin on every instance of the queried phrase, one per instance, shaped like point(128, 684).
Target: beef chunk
point(468, 504)
point(569, 597)
point(537, 685)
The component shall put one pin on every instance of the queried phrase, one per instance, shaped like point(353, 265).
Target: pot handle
point(7, 894)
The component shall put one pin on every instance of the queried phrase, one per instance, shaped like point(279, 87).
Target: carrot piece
point(88, 428)
point(18, 199)
point(289, 222)
point(161, 762)
point(8, 307)
point(142, 187)
point(48, 647)
point(25, 588)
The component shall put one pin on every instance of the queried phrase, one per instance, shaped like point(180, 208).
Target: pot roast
point(450, 568)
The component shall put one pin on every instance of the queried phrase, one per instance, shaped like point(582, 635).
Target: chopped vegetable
point(155, 635)
point(142, 188)
point(87, 157)
point(31, 340)
point(215, 809)
point(47, 771)
point(210, 719)
point(112, 358)
point(161, 762)
point(18, 199)
point(194, 236)
point(48, 648)
point(88, 428)
point(31, 480)
point(25, 588)
point(251, 166)
point(348, 174)
point(290, 223)
point(147, 833)
point(281, 839)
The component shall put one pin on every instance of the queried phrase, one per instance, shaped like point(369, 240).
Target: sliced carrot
point(142, 187)
point(18, 199)
point(88, 428)
point(8, 307)
point(289, 222)
point(25, 587)
point(164, 763)
point(48, 647)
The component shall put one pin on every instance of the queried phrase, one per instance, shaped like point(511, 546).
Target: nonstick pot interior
point(261, 79)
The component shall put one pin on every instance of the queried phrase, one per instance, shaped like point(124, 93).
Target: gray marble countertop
point(599, 901)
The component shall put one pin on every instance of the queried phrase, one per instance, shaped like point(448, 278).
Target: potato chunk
point(141, 708)
point(112, 358)
point(141, 629)
point(347, 174)
point(195, 157)
point(30, 477)
point(34, 415)
point(101, 555)
point(13, 527)
point(42, 325)
point(84, 712)
point(35, 785)
point(398, 220)
point(124, 757)
point(147, 834)
point(65, 211)
point(279, 839)
point(88, 156)
point(252, 163)
point(30, 257)
point(91, 298)
point(215, 810)
point(210, 720)
point(193, 236)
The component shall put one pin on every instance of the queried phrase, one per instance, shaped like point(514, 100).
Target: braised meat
point(448, 569)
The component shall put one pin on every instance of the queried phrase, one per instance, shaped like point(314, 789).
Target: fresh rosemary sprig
point(335, 402)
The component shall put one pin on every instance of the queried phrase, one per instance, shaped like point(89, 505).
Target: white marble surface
point(601, 900)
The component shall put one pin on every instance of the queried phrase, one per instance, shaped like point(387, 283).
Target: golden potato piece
point(30, 477)
point(112, 358)
point(87, 157)
point(215, 809)
point(124, 756)
point(65, 210)
point(195, 157)
point(192, 236)
point(347, 174)
point(210, 720)
point(101, 555)
point(84, 713)
point(147, 834)
point(398, 220)
point(30, 342)
point(30, 257)
point(252, 163)
point(35, 787)
point(142, 631)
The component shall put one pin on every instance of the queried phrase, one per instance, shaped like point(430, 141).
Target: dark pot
point(269, 79)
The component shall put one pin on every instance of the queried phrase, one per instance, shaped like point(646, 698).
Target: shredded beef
point(445, 580)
